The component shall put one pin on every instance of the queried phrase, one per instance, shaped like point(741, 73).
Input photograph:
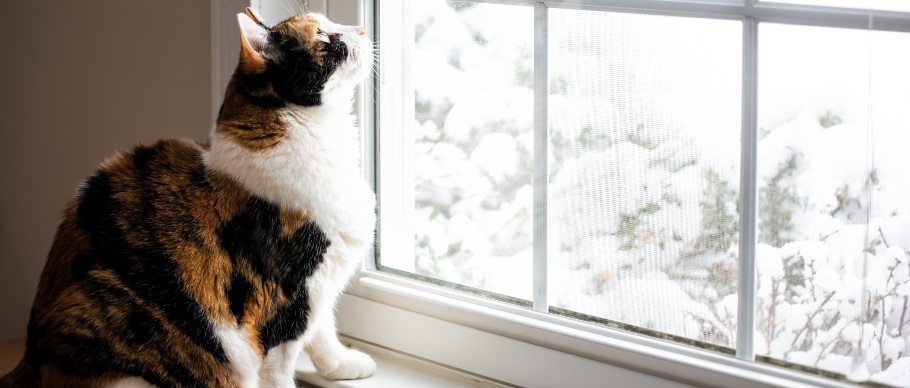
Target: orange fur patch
point(304, 29)
point(252, 126)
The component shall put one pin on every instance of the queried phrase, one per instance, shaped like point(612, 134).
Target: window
point(828, 209)
point(719, 174)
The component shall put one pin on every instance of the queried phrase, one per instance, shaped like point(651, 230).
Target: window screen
point(833, 204)
point(645, 137)
point(643, 183)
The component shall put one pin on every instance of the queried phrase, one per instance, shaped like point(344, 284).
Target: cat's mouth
point(359, 58)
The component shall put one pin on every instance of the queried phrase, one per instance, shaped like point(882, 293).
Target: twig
point(774, 284)
point(812, 277)
point(822, 352)
point(882, 235)
point(809, 321)
point(891, 270)
point(881, 338)
point(825, 237)
point(900, 324)
point(892, 290)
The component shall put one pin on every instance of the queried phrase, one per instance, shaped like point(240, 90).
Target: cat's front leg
point(279, 365)
point(332, 359)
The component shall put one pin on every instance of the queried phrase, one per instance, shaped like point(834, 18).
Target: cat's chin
point(340, 88)
point(360, 59)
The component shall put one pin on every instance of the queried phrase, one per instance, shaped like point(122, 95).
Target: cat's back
point(119, 210)
point(146, 202)
point(132, 280)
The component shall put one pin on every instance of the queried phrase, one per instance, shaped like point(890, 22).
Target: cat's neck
point(254, 105)
point(280, 152)
point(334, 108)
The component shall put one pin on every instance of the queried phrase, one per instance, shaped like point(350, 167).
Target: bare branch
point(809, 321)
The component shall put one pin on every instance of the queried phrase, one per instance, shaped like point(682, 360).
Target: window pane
point(815, 183)
point(888, 5)
point(472, 72)
point(645, 139)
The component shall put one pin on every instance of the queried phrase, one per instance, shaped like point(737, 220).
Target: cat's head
point(301, 60)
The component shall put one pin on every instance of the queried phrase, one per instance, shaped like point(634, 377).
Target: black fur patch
point(253, 241)
point(237, 293)
point(198, 177)
point(141, 332)
point(143, 158)
point(287, 324)
point(145, 268)
point(298, 79)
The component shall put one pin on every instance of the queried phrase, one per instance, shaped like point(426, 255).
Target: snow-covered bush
point(812, 258)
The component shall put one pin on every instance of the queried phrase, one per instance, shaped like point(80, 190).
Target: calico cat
point(185, 265)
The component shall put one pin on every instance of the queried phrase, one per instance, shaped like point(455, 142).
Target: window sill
point(392, 370)
point(517, 346)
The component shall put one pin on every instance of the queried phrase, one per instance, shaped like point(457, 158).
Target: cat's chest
point(326, 178)
point(314, 170)
point(338, 199)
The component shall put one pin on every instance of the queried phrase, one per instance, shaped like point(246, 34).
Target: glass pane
point(815, 181)
point(887, 5)
point(645, 138)
point(472, 72)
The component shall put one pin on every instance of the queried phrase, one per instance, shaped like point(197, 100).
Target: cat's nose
point(361, 31)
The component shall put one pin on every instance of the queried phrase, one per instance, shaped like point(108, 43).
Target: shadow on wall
point(80, 81)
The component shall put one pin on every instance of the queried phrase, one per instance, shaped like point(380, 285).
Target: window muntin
point(891, 5)
point(729, 311)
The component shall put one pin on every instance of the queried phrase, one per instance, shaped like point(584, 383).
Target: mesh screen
point(645, 137)
point(827, 208)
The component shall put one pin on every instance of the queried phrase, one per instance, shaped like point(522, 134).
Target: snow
point(497, 155)
point(893, 347)
point(827, 280)
point(898, 374)
point(644, 154)
point(768, 261)
point(896, 230)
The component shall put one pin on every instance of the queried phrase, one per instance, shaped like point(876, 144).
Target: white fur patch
point(244, 360)
point(314, 169)
point(279, 365)
point(332, 359)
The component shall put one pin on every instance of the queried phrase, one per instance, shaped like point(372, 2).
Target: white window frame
point(395, 300)
point(528, 347)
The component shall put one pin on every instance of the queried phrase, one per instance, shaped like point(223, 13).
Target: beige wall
point(79, 80)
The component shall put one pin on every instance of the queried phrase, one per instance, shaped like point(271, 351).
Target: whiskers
point(301, 7)
point(376, 53)
point(294, 7)
point(376, 68)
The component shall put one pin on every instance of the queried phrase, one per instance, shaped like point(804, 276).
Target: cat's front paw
point(348, 365)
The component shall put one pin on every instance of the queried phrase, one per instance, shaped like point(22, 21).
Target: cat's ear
point(254, 43)
point(254, 15)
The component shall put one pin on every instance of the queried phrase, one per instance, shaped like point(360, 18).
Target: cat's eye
point(322, 36)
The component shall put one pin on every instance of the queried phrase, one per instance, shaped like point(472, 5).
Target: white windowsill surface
point(392, 370)
point(511, 345)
